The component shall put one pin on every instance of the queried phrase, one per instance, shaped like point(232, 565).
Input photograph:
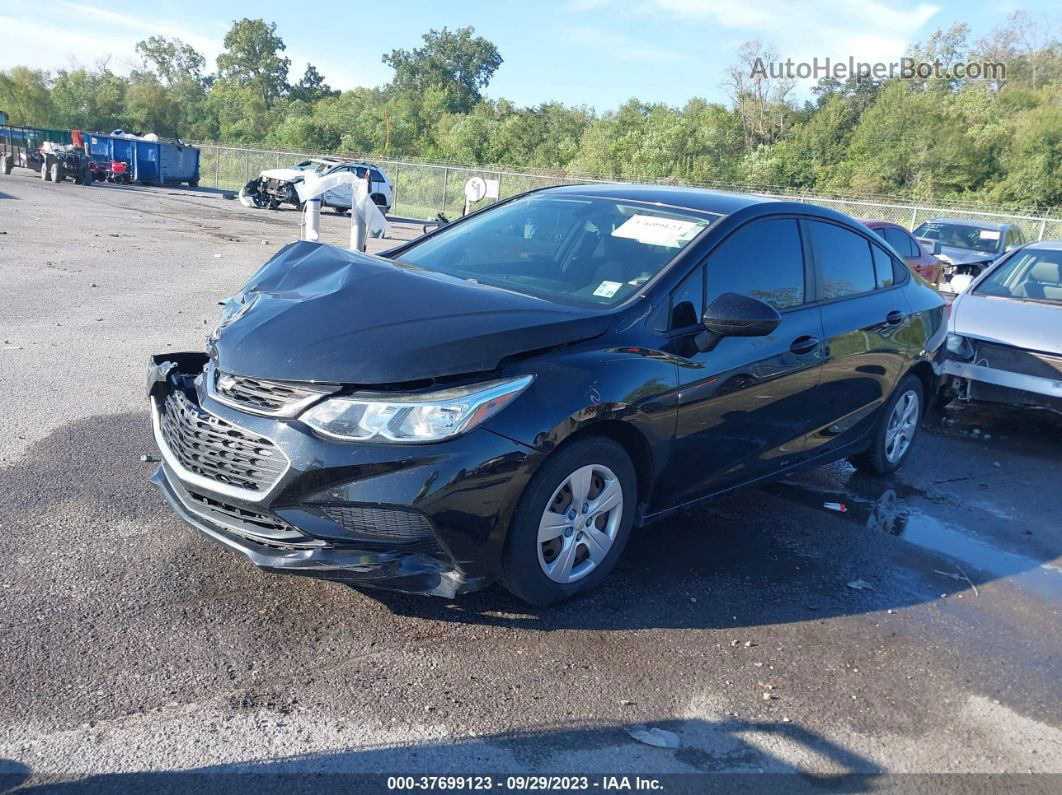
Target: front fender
point(636, 386)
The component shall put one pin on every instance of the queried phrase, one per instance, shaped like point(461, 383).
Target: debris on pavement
point(149, 459)
point(658, 738)
point(961, 577)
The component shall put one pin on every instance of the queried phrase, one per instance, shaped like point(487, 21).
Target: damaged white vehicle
point(277, 186)
point(1005, 333)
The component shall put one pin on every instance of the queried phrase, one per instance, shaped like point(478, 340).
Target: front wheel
point(57, 172)
point(896, 430)
point(5, 164)
point(572, 522)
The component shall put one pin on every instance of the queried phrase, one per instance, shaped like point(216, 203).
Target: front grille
point(217, 450)
point(389, 524)
point(1017, 360)
point(267, 397)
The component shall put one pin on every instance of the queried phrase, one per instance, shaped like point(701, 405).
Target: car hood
point(318, 313)
point(283, 174)
point(1009, 321)
point(963, 256)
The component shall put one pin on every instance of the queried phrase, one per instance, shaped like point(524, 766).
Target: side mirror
point(932, 245)
point(734, 315)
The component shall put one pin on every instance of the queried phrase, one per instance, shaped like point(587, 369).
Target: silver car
point(1005, 333)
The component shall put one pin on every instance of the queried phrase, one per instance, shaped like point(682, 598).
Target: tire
point(888, 451)
point(593, 465)
point(46, 170)
point(193, 183)
point(58, 173)
point(5, 164)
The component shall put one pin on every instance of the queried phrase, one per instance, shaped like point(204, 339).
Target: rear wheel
point(896, 429)
point(572, 522)
point(46, 170)
point(56, 171)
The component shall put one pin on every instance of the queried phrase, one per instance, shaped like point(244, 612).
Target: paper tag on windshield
point(990, 234)
point(653, 230)
point(607, 289)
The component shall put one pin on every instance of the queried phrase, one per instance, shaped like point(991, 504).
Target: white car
point(1005, 332)
point(276, 186)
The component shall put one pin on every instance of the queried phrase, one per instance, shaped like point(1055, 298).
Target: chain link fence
point(424, 189)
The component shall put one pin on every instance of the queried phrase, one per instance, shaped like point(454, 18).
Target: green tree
point(26, 96)
point(456, 61)
point(312, 86)
point(90, 99)
point(172, 60)
point(252, 60)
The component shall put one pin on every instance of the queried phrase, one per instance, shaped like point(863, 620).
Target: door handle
point(894, 317)
point(805, 344)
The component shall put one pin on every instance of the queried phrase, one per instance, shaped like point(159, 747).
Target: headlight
point(959, 346)
point(428, 417)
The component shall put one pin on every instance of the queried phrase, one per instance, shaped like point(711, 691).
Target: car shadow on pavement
point(759, 557)
point(682, 753)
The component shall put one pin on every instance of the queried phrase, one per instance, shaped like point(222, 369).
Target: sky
point(597, 53)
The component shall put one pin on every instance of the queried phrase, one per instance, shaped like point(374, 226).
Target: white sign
point(475, 189)
point(654, 230)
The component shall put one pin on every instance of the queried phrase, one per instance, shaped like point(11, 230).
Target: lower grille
point(262, 528)
point(1017, 360)
point(263, 524)
point(208, 446)
point(389, 524)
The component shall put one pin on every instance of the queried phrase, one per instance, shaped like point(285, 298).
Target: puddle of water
point(895, 516)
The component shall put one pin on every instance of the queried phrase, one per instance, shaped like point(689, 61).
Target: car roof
point(966, 222)
point(881, 224)
point(712, 201)
point(1046, 245)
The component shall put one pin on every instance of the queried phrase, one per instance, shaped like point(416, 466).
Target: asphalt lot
point(136, 651)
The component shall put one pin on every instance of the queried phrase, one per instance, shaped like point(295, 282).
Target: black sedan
point(507, 397)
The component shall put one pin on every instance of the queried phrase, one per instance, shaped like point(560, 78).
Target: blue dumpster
point(150, 162)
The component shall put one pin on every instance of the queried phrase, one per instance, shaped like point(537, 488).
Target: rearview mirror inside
point(932, 245)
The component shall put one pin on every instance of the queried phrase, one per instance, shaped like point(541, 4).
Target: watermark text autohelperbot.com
point(905, 69)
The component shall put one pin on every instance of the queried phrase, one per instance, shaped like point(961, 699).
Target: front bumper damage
point(421, 519)
point(996, 373)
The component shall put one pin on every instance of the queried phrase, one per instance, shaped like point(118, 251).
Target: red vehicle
point(119, 173)
point(908, 247)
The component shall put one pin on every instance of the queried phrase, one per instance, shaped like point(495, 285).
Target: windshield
point(312, 165)
point(1029, 275)
point(580, 250)
point(971, 238)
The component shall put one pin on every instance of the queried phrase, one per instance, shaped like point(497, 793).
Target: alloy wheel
point(903, 422)
point(580, 523)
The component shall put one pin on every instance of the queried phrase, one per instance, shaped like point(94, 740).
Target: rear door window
point(884, 272)
point(846, 265)
point(900, 241)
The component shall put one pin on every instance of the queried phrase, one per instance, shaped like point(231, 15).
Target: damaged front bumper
point(417, 518)
point(994, 373)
